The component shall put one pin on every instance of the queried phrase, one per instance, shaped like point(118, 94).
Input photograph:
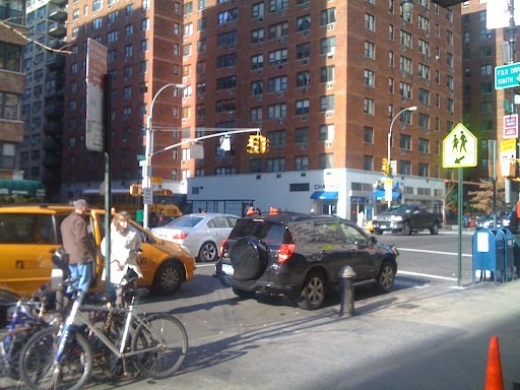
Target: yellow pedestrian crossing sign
point(459, 148)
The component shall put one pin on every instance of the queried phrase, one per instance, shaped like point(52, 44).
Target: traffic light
point(264, 144)
point(253, 144)
point(385, 166)
point(136, 190)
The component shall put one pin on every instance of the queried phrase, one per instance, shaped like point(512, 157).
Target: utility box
point(509, 264)
point(489, 253)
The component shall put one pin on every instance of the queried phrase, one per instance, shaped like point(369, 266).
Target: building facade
point(12, 41)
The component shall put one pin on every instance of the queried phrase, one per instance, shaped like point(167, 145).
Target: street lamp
point(147, 166)
point(407, 6)
point(389, 170)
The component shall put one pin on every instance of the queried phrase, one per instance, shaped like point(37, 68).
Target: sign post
point(459, 150)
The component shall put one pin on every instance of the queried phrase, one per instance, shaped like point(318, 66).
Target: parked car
point(30, 234)
point(201, 233)
point(487, 221)
point(300, 256)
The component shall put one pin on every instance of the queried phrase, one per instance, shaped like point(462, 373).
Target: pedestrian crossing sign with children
point(459, 148)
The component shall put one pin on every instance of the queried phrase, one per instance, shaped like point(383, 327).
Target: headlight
point(397, 218)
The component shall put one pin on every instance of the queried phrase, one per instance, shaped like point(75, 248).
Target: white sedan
point(201, 233)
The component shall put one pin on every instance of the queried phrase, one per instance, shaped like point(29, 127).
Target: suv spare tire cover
point(249, 258)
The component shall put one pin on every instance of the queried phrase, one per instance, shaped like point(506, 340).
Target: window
point(302, 107)
point(485, 34)
point(112, 36)
point(278, 5)
point(423, 23)
point(257, 62)
point(226, 82)
point(9, 103)
point(368, 137)
point(405, 64)
point(368, 106)
point(257, 88)
point(424, 145)
point(405, 142)
point(486, 70)
point(129, 10)
point(303, 51)
point(96, 5)
point(145, 24)
point(326, 133)
point(257, 36)
point(391, 33)
point(75, 14)
point(97, 23)
point(278, 30)
point(424, 96)
point(370, 50)
point(10, 57)
point(227, 16)
point(404, 167)
point(258, 10)
point(229, 105)
point(277, 111)
point(112, 17)
point(327, 74)
point(486, 51)
point(202, 24)
point(391, 59)
point(129, 51)
point(301, 135)
point(188, 29)
point(278, 57)
point(325, 161)
point(368, 163)
point(256, 114)
point(486, 87)
point(370, 22)
point(405, 90)
point(424, 71)
point(424, 48)
point(129, 30)
point(277, 84)
point(303, 23)
point(303, 79)
point(227, 39)
point(188, 8)
point(328, 46)
point(327, 103)
point(424, 121)
point(405, 39)
point(328, 16)
point(424, 170)
point(275, 164)
point(226, 60)
point(301, 163)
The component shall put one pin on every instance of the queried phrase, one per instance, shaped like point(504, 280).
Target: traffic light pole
point(146, 164)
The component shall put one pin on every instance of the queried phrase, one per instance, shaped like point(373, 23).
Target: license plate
point(228, 269)
point(383, 226)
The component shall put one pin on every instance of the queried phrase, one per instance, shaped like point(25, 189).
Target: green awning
point(21, 187)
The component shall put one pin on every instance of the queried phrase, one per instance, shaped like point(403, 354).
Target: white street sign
point(147, 196)
point(459, 148)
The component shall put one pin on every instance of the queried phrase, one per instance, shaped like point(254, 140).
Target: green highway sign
point(507, 76)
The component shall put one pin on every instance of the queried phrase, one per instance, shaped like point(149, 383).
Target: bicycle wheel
point(39, 371)
point(11, 345)
point(169, 336)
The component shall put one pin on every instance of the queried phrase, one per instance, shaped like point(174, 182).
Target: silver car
point(201, 233)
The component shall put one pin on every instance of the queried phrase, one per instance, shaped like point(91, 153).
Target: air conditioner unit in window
point(303, 146)
point(305, 118)
point(259, 98)
point(330, 85)
point(281, 13)
point(184, 121)
point(185, 79)
point(329, 114)
point(330, 56)
point(184, 100)
point(305, 62)
point(260, 19)
point(306, 33)
point(306, 6)
point(328, 144)
point(330, 27)
point(280, 121)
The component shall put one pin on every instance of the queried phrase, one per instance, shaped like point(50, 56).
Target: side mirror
point(372, 240)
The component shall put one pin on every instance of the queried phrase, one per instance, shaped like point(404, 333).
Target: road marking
point(426, 275)
point(432, 252)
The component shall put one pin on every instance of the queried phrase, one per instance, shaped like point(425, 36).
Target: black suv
point(300, 255)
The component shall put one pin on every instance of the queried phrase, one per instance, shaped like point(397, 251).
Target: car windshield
point(401, 209)
point(184, 221)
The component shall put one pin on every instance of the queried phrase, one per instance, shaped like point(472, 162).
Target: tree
point(482, 199)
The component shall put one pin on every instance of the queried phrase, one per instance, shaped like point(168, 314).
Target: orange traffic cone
point(494, 378)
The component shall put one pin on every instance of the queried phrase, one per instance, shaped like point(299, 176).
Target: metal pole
point(459, 207)
point(512, 59)
point(108, 176)
point(388, 155)
point(147, 166)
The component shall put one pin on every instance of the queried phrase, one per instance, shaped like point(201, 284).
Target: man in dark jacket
point(77, 243)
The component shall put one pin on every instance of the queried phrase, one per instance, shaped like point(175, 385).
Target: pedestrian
point(361, 218)
point(125, 245)
point(162, 218)
point(79, 247)
point(250, 211)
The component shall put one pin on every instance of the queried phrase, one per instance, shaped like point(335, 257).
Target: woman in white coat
point(124, 246)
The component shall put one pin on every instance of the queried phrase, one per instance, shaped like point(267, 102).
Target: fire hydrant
point(347, 275)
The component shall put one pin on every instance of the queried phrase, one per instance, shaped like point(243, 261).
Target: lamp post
point(389, 170)
point(147, 166)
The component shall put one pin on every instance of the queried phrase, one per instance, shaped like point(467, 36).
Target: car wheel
point(407, 229)
point(434, 229)
point(168, 278)
point(243, 294)
point(208, 252)
point(378, 232)
point(313, 292)
point(386, 277)
point(248, 257)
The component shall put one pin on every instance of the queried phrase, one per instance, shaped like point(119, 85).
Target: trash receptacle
point(489, 253)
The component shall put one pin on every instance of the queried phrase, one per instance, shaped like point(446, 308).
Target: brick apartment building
point(322, 79)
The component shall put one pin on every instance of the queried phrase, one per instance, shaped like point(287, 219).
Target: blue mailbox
point(510, 254)
point(489, 253)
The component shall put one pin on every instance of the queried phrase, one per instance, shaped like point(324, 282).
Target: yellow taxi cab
point(29, 235)
point(369, 227)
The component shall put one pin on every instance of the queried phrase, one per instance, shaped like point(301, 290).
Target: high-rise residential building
point(144, 54)
point(42, 106)
point(12, 41)
point(484, 107)
point(326, 81)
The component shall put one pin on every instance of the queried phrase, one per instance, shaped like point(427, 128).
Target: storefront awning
point(325, 195)
point(380, 195)
point(21, 187)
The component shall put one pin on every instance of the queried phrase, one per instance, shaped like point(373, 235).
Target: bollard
point(347, 275)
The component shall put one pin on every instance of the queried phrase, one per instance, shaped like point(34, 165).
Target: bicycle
point(63, 358)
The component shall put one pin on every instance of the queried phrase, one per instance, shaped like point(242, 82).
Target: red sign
point(511, 126)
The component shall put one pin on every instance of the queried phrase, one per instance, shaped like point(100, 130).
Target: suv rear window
point(269, 232)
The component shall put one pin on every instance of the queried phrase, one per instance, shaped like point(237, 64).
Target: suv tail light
point(222, 245)
point(285, 252)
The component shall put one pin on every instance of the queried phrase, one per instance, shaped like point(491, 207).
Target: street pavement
point(414, 340)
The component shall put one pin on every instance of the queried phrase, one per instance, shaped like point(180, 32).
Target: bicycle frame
point(78, 317)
